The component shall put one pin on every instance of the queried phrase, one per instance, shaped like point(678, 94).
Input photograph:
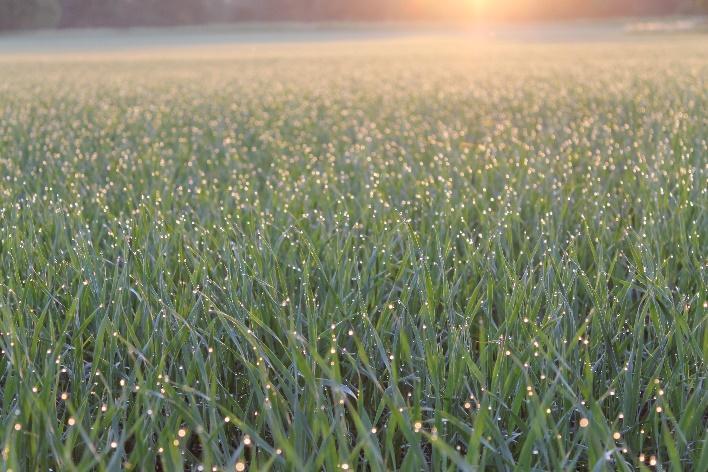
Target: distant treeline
point(27, 14)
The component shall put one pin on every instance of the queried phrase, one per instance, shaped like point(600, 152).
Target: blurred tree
point(16, 14)
point(24, 14)
point(697, 6)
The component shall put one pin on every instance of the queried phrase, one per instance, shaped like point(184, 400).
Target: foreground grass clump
point(349, 257)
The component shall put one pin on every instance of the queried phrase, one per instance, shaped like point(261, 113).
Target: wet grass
point(356, 256)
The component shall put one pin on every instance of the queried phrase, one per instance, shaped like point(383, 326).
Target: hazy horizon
point(101, 40)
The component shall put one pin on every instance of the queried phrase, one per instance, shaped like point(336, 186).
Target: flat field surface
point(388, 253)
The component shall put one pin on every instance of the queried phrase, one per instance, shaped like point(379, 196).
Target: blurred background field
point(221, 37)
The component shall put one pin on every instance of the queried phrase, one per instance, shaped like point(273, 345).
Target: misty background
point(38, 14)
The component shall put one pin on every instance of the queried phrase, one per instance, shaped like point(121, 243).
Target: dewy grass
point(373, 256)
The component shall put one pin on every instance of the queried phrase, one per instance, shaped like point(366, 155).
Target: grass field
point(390, 254)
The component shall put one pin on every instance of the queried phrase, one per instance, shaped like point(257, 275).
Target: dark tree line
point(26, 14)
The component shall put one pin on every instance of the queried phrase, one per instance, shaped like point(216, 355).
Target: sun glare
point(473, 9)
